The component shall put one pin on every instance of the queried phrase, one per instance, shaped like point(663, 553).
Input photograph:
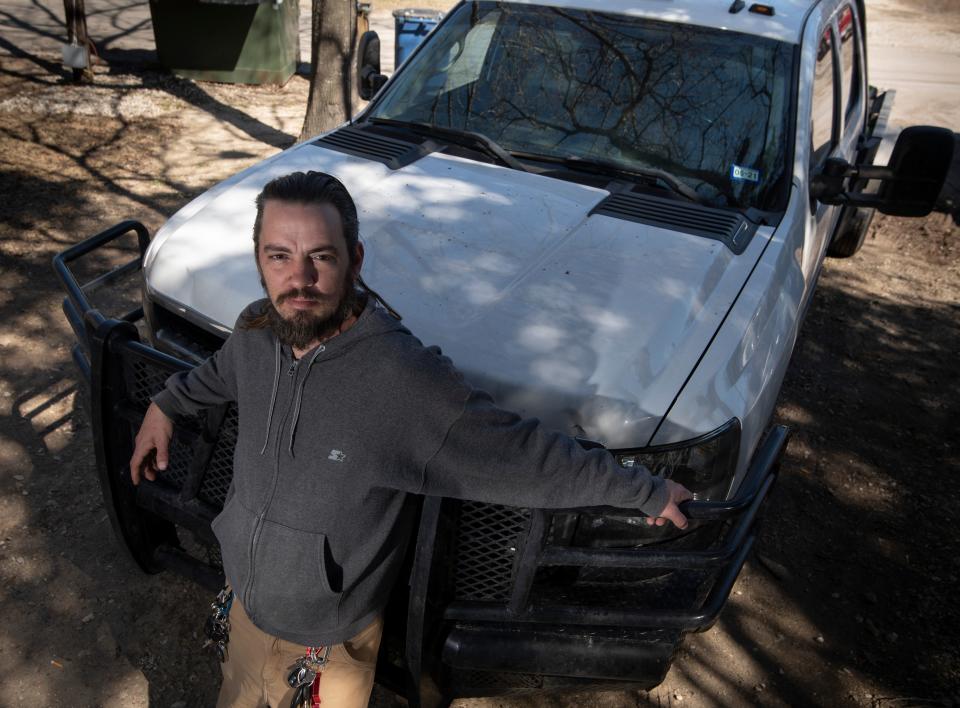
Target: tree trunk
point(75, 16)
point(333, 95)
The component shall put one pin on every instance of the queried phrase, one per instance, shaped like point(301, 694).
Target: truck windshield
point(707, 106)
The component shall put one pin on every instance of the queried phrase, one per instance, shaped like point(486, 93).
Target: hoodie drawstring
point(273, 398)
point(299, 400)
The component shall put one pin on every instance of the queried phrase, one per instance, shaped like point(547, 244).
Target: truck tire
point(852, 227)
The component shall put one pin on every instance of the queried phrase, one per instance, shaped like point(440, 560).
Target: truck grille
point(487, 541)
point(144, 378)
point(178, 467)
point(147, 379)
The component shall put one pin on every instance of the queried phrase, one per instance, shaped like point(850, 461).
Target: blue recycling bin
point(410, 27)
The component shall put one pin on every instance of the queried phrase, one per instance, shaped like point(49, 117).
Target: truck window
point(822, 132)
point(706, 105)
point(849, 62)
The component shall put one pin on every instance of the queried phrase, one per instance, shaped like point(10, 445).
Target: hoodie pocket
point(291, 589)
point(233, 528)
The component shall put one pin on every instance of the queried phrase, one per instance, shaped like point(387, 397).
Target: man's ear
point(357, 262)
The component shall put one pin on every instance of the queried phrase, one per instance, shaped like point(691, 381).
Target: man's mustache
point(300, 294)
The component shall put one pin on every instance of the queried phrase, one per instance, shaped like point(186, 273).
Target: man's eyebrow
point(270, 248)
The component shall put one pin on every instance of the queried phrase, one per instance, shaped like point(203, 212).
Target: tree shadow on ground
point(49, 66)
point(61, 179)
point(197, 94)
point(103, 642)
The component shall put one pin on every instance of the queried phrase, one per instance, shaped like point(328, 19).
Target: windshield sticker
point(744, 174)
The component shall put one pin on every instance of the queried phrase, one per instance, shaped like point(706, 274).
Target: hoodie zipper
point(258, 524)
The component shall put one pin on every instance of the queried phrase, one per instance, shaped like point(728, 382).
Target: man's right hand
point(671, 512)
point(151, 448)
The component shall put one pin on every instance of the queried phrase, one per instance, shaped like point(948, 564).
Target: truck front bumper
point(569, 616)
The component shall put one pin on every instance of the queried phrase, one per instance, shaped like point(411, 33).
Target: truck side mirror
point(920, 162)
point(910, 183)
point(369, 78)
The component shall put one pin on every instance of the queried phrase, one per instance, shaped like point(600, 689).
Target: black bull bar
point(494, 603)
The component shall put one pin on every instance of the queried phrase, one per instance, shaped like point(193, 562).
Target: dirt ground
point(850, 600)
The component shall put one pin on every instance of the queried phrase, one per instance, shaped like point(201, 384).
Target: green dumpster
point(235, 41)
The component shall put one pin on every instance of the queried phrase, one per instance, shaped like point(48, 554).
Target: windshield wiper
point(608, 167)
point(465, 138)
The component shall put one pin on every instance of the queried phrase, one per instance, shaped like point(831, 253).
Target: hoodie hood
point(590, 322)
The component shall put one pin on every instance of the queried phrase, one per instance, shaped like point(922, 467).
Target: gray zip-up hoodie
point(331, 448)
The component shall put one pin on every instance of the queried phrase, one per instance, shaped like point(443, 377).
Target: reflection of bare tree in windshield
point(706, 106)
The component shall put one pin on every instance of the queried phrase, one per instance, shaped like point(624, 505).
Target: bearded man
point(344, 416)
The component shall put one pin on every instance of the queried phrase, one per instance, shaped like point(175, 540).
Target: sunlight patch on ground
point(49, 411)
point(93, 101)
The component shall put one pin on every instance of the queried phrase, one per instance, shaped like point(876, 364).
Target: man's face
point(305, 267)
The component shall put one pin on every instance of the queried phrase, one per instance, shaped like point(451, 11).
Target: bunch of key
point(217, 626)
point(303, 675)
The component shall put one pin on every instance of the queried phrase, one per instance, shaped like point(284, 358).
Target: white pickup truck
point(611, 216)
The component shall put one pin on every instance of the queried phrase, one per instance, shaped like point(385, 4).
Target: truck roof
point(785, 25)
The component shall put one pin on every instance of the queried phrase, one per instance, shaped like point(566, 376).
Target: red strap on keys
point(315, 693)
point(314, 654)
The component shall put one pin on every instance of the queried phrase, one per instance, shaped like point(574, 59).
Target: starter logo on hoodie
point(336, 456)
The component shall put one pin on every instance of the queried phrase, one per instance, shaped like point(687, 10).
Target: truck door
point(838, 119)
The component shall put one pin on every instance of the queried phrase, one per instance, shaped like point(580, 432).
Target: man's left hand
point(671, 512)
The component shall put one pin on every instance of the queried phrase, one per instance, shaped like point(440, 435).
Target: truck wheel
point(851, 230)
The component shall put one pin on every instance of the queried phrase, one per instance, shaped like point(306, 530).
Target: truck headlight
point(704, 465)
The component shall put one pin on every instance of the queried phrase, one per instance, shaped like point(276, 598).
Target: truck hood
point(591, 323)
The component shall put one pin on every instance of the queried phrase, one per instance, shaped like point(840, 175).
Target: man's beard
point(305, 328)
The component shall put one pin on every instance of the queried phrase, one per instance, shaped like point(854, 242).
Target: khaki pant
point(255, 672)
